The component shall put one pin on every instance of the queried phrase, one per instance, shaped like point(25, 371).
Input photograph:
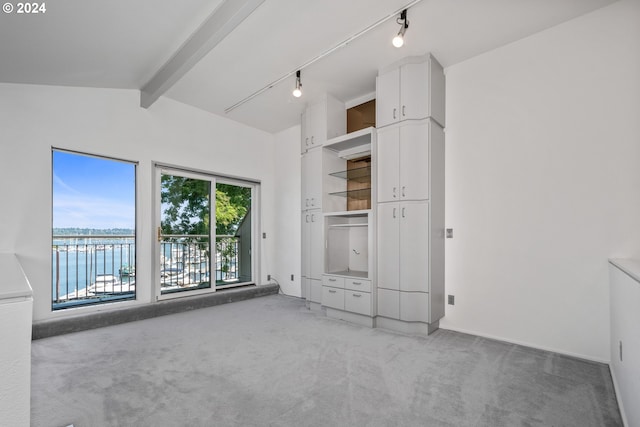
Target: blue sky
point(90, 192)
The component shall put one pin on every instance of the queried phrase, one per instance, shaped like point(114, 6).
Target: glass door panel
point(233, 234)
point(184, 234)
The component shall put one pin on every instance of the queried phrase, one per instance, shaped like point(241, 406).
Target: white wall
point(288, 193)
point(110, 122)
point(543, 182)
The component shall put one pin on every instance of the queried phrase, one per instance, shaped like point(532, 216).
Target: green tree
point(186, 206)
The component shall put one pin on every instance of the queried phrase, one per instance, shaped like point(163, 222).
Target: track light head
point(297, 92)
point(398, 40)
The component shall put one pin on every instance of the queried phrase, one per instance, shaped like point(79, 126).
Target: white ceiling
point(123, 43)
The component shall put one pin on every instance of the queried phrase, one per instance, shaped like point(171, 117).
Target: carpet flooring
point(271, 362)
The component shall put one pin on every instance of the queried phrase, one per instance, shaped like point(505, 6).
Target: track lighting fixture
point(398, 40)
point(297, 92)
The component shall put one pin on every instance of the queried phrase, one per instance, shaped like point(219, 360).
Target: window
point(93, 240)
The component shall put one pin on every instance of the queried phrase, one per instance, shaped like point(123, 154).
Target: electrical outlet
point(452, 300)
point(264, 235)
point(268, 277)
point(449, 233)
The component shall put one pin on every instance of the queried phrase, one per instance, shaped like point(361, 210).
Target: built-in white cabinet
point(311, 173)
point(403, 267)
point(410, 226)
point(312, 255)
point(347, 282)
point(411, 90)
point(403, 160)
point(322, 120)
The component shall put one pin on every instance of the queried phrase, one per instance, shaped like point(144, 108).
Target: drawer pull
point(332, 291)
point(332, 280)
point(357, 283)
point(357, 295)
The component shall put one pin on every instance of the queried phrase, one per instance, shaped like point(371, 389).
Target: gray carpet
point(271, 362)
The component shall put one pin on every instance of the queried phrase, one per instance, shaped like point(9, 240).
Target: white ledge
point(629, 266)
point(15, 284)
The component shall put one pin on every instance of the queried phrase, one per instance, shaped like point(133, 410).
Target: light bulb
point(297, 92)
point(398, 40)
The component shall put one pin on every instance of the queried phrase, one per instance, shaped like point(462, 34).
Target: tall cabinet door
point(316, 245)
point(312, 179)
point(414, 248)
point(414, 161)
point(306, 244)
point(388, 164)
point(388, 245)
point(387, 98)
point(414, 91)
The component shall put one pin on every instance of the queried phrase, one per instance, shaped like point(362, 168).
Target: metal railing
point(87, 269)
point(91, 269)
point(185, 262)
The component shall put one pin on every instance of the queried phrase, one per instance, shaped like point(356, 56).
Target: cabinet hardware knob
point(403, 212)
point(357, 295)
point(394, 192)
point(394, 113)
point(394, 212)
point(331, 291)
point(307, 219)
point(403, 107)
point(357, 283)
point(332, 280)
point(403, 195)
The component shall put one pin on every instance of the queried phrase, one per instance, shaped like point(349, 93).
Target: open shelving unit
point(347, 244)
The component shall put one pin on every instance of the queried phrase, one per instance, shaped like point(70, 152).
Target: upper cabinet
point(322, 120)
point(412, 89)
point(403, 160)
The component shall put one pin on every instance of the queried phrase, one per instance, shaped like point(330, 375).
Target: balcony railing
point(185, 262)
point(91, 269)
point(94, 269)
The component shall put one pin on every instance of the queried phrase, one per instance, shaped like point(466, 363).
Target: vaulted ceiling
point(124, 43)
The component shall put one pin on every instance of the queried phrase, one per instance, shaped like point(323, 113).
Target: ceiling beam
point(224, 19)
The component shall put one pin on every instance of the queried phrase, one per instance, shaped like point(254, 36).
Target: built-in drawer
point(357, 302)
point(361, 285)
point(315, 289)
point(333, 297)
point(334, 281)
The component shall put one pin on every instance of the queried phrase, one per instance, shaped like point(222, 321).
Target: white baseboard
point(526, 344)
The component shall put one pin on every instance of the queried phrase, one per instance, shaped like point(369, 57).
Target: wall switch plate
point(451, 299)
point(621, 351)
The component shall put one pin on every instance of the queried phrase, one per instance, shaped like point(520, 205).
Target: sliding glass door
point(197, 251)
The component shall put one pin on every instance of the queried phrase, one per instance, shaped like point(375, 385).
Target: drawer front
point(333, 297)
point(360, 285)
point(315, 289)
point(333, 281)
point(357, 302)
